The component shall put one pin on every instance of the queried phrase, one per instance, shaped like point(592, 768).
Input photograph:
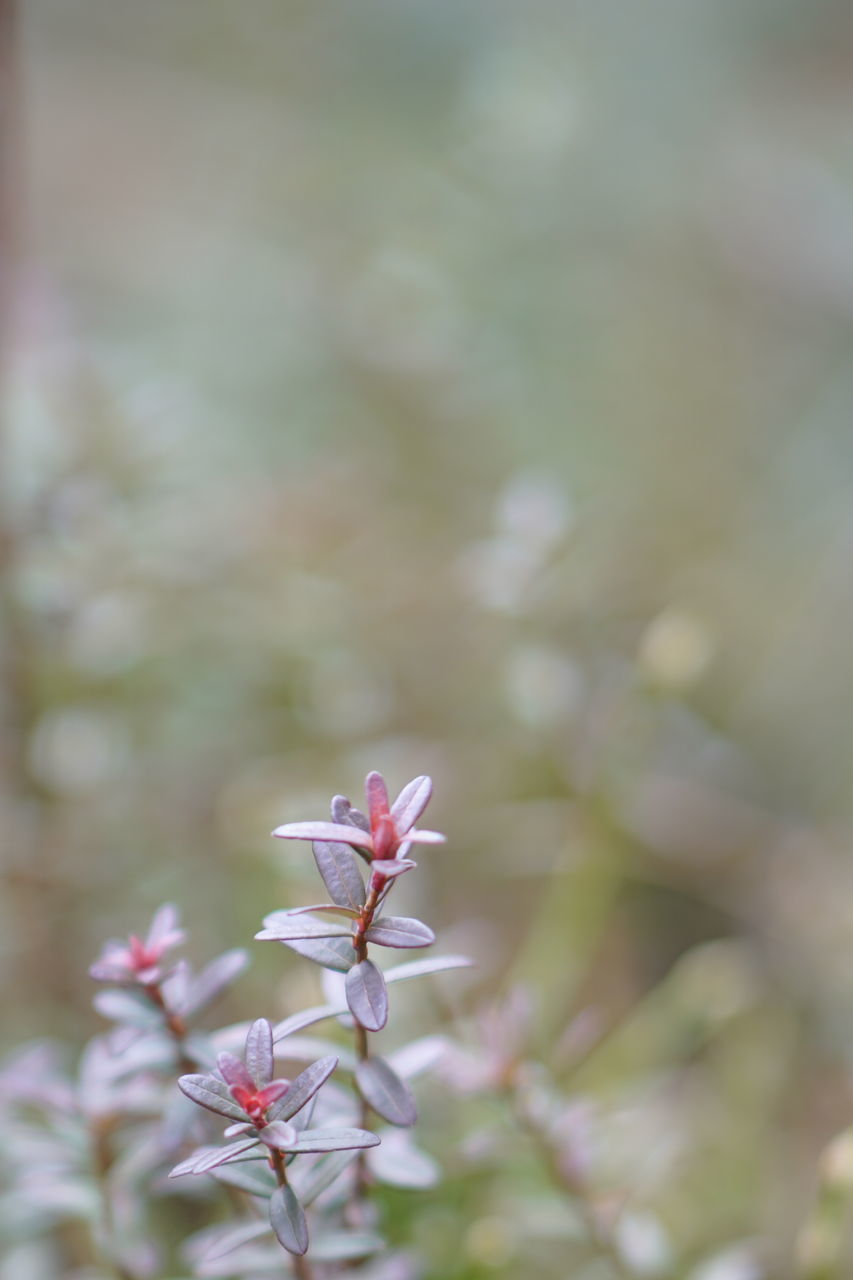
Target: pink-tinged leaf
point(234, 1072)
point(399, 1163)
point(390, 867)
point(273, 1092)
point(420, 968)
point(377, 797)
point(133, 1008)
point(333, 1140)
point(400, 931)
point(259, 1057)
point(303, 1088)
point(332, 953)
point(235, 1130)
point(337, 864)
point(213, 979)
point(381, 1087)
point(325, 831)
point(417, 836)
point(344, 813)
point(410, 803)
point(278, 1134)
point(166, 922)
point(213, 1094)
point(207, 1158)
point(282, 926)
point(288, 1220)
point(366, 995)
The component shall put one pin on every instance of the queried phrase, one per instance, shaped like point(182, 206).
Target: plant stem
point(174, 1024)
point(301, 1266)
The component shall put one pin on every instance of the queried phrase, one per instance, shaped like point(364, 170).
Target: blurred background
point(464, 388)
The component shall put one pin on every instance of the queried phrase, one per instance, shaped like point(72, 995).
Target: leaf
point(377, 795)
point(400, 931)
point(234, 1130)
point(287, 1219)
point(206, 1158)
point(303, 1088)
point(366, 995)
point(390, 867)
point(338, 867)
point(211, 1093)
point(213, 979)
point(338, 1246)
point(381, 1087)
point(256, 1178)
point(331, 908)
point(166, 920)
point(259, 1055)
point(234, 1071)
point(332, 953)
point(130, 1007)
point(399, 1163)
point(325, 831)
point(278, 1134)
point(310, 1180)
point(430, 964)
point(333, 1140)
point(346, 815)
point(282, 926)
point(419, 1056)
point(225, 1241)
point(297, 1021)
point(411, 802)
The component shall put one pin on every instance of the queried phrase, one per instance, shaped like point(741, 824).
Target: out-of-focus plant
point(92, 1153)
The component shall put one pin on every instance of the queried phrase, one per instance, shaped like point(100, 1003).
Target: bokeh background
point(458, 387)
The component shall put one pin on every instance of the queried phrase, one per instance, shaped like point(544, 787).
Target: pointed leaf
point(213, 979)
point(311, 1180)
point(366, 995)
point(259, 1056)
point(213, 1094)
point(377, 796)
point(234, 1071)
point(303, 1088)
point(207, 1158)
point(282, 926)
point(288, 1220)
point(411, 802)
point(420, 968)
point(234, 1130)
point(325, 831)
point(167, 920)
point(226, 1240)
point(297, 1021)
point(338, 866)
point(257, 1178)
point(419, 836)
point(333, 1140)
point(331, 908)
point(400, 931)
point(332, 953)
point(381, 1087)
